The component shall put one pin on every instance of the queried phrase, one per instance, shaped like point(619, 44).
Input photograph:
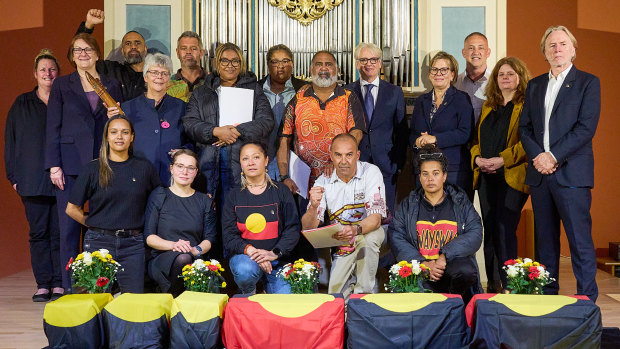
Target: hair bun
point(45, 52)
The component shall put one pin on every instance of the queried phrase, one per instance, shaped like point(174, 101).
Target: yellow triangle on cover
point(199, 307)
point(143, 307)
point(291, 305)
point(403, 302)
point(533, 304)
point(75, 309)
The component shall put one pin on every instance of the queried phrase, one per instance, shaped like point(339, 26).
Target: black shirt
point(24, 148)
point(172, 217)
point(494, 131)
point(122, 203)
point(436, 226)
point(266, 221)
point(132, 82)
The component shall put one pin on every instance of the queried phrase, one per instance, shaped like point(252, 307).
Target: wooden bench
point(609, 265)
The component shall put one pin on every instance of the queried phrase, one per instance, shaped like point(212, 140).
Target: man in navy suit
point(385, 144)
point(558, 122)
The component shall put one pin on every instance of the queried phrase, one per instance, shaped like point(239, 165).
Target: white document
point(322, 237)
point(299, 172)
point(235, 105)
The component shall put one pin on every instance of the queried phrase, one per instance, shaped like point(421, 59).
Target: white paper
point(322, 237)
point(235, 105)
point(299, 172)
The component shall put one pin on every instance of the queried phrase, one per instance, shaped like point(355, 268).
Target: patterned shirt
point(181, 88)
point(313, 124)
point(350, 202)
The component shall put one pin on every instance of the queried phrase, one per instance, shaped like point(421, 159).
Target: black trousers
point(460, 276)
point(70, 230)
point(501, 208)
point(42, 216)
point(551, 203)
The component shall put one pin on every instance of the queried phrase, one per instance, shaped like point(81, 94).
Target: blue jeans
point(272, 170)
point(247, 273)
point(129, 252)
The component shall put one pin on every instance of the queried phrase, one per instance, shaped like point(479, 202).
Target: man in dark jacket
point(438, 225)
point(128, 73)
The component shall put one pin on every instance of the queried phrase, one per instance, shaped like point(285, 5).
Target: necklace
point(250, 185)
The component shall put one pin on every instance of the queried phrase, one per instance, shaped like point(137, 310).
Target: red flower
point(533, 269)
point(289, 272)
point(510, 262)
point(213, 267)
point(404, 271)
point(69, 264)
point(534, 275)
point(102, 281)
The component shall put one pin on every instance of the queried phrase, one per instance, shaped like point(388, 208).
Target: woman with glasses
point(220, 144)
point(180, 224)
point(499, 163)
point(445, 117)
point(74, 131)
point(156, 116)
point(117, 187)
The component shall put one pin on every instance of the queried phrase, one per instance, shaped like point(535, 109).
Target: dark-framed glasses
point(161, 74)
point(79, 50)
point(234, 62)
point(440, 71)
point(276, 62)
point(373, 60)
point(181, 168)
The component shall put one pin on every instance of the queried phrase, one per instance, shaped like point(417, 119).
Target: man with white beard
point(316, 114)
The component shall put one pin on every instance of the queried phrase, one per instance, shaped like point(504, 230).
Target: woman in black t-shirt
point(180, 224)
point(260, 225)
point(117, 186)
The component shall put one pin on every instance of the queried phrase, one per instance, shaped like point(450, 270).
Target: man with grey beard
point(129, 73)
point(316, 114)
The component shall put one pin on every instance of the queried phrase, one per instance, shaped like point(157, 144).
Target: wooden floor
point(21, 322)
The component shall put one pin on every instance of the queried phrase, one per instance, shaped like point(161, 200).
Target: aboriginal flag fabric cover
point(196, 320)
point(284, 321)
point(74, 321)
point(138, 321)
point(534, 321)
point(406, 320)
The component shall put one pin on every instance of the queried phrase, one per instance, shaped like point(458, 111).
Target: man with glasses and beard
point(317, 114)
point(129, 73)
point(191, 75)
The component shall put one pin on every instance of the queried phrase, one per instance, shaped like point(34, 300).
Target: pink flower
point(69, 264)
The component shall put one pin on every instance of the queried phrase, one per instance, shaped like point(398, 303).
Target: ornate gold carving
point(305, 11)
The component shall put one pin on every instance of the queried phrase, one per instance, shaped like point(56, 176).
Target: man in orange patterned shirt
point(316, 114)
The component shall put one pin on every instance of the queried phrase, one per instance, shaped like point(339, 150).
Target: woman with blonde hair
point(23, 160)
point(499, 162)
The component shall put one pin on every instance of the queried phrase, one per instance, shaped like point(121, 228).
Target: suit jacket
point(572, 125)
point(515, 161)
point(386, 138)
point(70, 129)
point(452, 125)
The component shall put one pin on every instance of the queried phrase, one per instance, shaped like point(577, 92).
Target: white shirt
point(475, 90)
point(353, 201)
point(375, 90)
point(552, 93)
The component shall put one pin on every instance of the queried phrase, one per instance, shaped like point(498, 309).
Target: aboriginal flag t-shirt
point(436, 226)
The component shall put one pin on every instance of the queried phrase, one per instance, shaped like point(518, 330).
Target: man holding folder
point(354, 196)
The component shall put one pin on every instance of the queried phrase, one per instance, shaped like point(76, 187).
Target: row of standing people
point(221, 160)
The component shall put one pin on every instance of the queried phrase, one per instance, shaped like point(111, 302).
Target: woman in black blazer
point(444, 116)
point(75, 121)
point(23, 160)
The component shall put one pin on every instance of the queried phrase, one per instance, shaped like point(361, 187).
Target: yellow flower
point(221, 269)
point(108, 256)
point(207, 263)
point(186, 267)
point(185, 278)
point(536, 264)
point(402, 263)
point(193, 282)
point(80, 256)
point(96, 254)
point(224, 284)
point(409, 265)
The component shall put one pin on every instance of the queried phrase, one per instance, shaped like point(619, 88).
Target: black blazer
point(70, 130)
point(572, 126)
point(387, 131)
point(452, 125)
point(23, 146)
